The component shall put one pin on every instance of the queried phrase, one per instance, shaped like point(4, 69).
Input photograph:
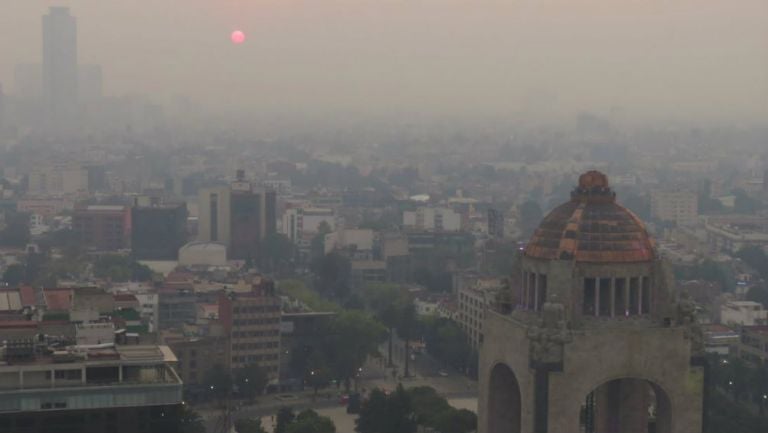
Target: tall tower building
point(59, 64)
point(595, 339)
point(239, 216)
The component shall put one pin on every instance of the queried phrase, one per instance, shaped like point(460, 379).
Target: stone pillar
point(119, 374)
point(626, 296)
point(612, 286)
point(53, 378)
point(535, 306)
point(634, 400)
point(82, 375)
point(21, 379)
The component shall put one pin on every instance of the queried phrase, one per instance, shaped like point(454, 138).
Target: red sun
point(237, 37)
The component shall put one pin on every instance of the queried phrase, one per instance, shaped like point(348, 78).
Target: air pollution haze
point(652, 59)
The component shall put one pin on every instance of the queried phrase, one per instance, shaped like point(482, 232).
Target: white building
point(743, 313)
point(361, 240)
point(474, 301)
point(203, 254)
point(432, 219)
point(679, 206)
point(301, 224)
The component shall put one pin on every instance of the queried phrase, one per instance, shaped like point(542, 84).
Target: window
point(589, 297)
point(605, 296)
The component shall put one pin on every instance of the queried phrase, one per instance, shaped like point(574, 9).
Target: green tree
point(387, 414)
point(120, 268)
point(759, 294)
point(308, 421)
point(249, 425)
point(285, 417)
point(16, 231)
point(352, 336)
point(279, 251)
point(332, 274)
point(218, 382)
point(190, 421)
point(250, 381)
point(14, 274)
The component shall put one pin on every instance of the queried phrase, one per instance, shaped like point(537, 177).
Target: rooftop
point(592, 227)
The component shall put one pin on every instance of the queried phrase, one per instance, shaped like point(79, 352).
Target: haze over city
point(361, 216)
point(658, 59)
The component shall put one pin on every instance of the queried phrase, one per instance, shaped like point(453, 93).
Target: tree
point(332, 274)
point(308, 421)
point(432, 410)
point(190, 421)
point(387, 414)
point(14, 274)
point(249, 425)
point(16, 231)
point(285, 417)
point(218, 382)
point(120, 268)
point(250, 381)
point(758, 294)
point(352, 336)
point(278, 250)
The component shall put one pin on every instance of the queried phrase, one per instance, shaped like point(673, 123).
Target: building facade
point(158, 231)
point(59, 64)
point(679, 206)
point(252, 321)
point(102, 227)
point(109, 390)
point(594, 337)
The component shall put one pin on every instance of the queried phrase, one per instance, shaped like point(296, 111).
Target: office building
point(158, 230)
point(678, 206)
point(107, 389)
point(59, 65)
point(432, 219)
point(102, 227)
point(252, 321)
point(238, 216)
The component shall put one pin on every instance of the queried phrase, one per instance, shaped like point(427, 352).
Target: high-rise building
point(595, 338)
point(252, 320)
point(679, 206)
point(238, 216)
point(102, 227)
point(59, 64)
point(158, 230)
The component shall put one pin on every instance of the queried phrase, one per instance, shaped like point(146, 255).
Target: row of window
point(267, 333)
point(616, 297)
point(534, 292)
point(268, 321)
point(256, 309)
point(606, 297)
point(246, 346)
point(255, 358)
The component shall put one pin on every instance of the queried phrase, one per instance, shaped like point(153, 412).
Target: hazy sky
point(684, 58)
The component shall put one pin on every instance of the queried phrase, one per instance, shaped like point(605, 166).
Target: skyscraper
point(239, 216)
point(59, 64)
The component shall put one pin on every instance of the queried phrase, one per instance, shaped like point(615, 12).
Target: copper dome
point(592, 227)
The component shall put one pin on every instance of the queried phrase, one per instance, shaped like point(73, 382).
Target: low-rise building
point(753, 346)
point(474, 301)
point(679, 206)
point(432, 219)
point(719, 339)
point(743, 313)
point(102, 389)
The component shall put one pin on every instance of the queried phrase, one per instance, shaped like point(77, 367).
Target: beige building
point(594, 339)
point(474, 301)
point(753, 345)
point(679, 206)
point(213, 208)
point(252, 320)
